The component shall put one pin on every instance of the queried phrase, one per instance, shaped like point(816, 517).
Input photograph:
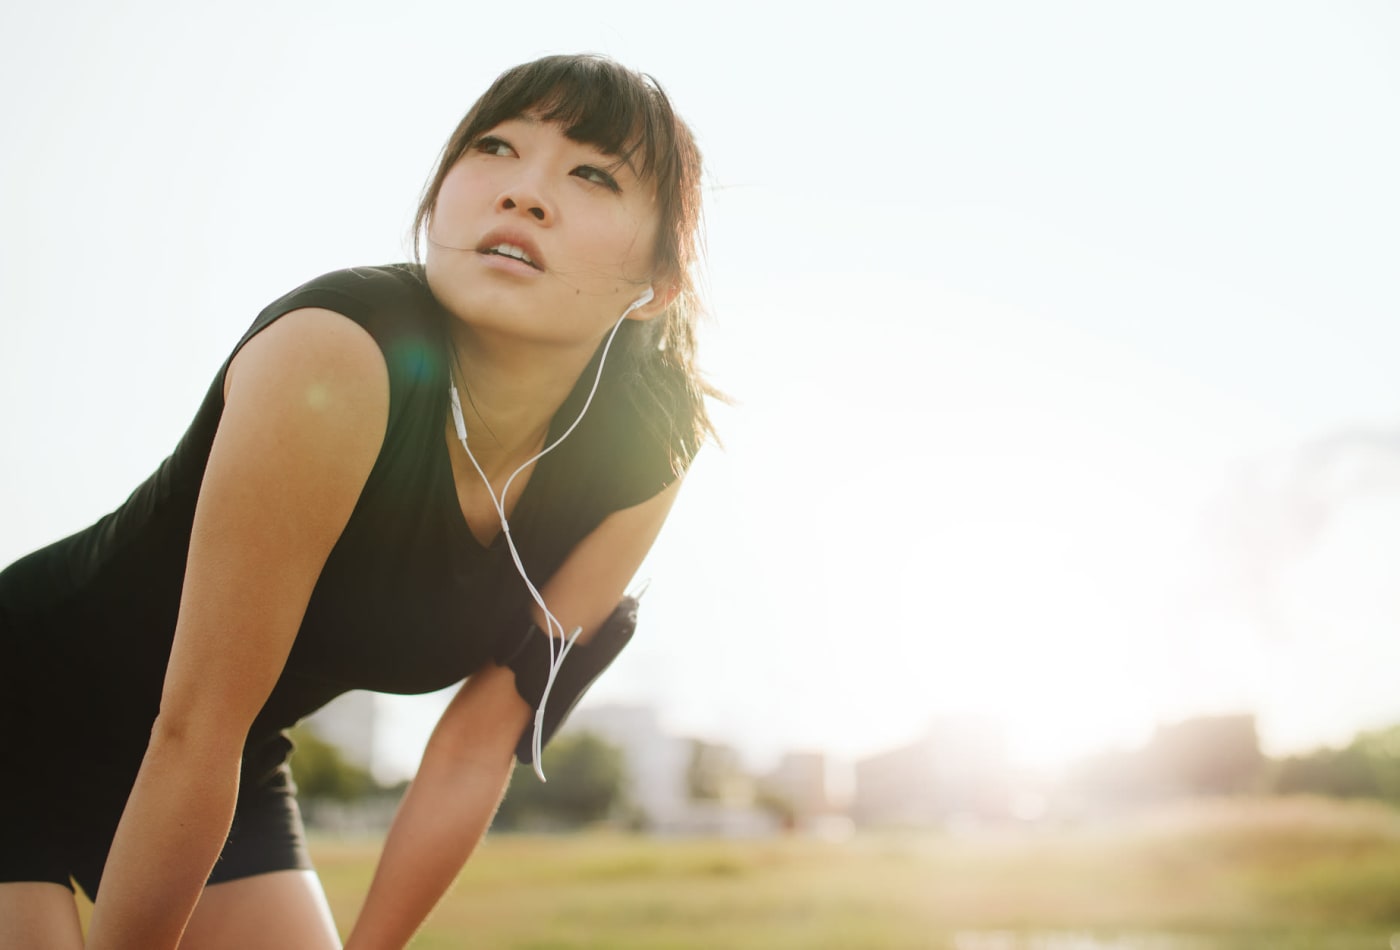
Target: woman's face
point(541, 237)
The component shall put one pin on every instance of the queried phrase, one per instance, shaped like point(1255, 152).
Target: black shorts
point(65, 777)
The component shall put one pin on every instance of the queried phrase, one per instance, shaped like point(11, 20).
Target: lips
point(507, 243)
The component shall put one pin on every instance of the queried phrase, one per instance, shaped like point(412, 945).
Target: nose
point(525, 195)
point(534, 210)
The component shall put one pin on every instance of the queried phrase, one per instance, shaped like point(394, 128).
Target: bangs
point(600, 103)
point(594, 100)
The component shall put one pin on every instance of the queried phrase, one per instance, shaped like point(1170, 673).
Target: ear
point(664, 293)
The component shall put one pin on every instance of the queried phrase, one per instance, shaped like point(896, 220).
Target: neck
point(510, 393)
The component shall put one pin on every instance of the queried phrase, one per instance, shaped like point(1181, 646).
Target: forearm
point(170, 835)
point(443, 816)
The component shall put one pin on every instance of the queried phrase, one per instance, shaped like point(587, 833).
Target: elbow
point(194, 741)
point(482, 725)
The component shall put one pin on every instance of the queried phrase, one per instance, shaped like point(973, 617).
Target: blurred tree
point(321, 771)
point(1369, 767)
point(716, 773)
point(1339, 773)
point(779, 805)
point(1381, 750)
point(586, 779)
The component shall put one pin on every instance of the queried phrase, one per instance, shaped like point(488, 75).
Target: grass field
point(1289, 873)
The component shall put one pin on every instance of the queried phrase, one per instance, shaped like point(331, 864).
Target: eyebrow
point(619, 161)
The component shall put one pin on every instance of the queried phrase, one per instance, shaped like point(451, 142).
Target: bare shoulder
point(314, 350)
point(306, 406)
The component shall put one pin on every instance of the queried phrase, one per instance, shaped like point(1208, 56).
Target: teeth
point(510, 250)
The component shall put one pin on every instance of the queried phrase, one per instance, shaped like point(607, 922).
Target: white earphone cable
point(551, 622)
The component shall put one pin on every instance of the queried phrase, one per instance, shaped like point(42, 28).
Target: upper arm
point(583, 592)
point(588, 585)
point(306, 407)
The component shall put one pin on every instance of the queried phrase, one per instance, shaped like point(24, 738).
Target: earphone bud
point(647, 296)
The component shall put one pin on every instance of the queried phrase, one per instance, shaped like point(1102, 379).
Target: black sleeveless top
point(408, 601)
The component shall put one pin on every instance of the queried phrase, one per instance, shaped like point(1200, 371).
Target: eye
point(598, 177)
point(491, 145)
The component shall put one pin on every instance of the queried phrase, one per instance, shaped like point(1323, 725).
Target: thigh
point(277, 910)
point(38, 916)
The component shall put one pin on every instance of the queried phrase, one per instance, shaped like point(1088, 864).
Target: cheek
point(627, 242)
point(452, 198)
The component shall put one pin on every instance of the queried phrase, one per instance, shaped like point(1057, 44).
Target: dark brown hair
point(624, 113)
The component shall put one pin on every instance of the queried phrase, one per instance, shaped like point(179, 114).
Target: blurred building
point(956, 772)
point(1208, 755)
point(1205, 755)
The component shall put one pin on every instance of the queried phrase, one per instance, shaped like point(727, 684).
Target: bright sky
point(1028, 308)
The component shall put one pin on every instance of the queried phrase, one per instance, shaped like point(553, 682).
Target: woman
point(362, 502)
